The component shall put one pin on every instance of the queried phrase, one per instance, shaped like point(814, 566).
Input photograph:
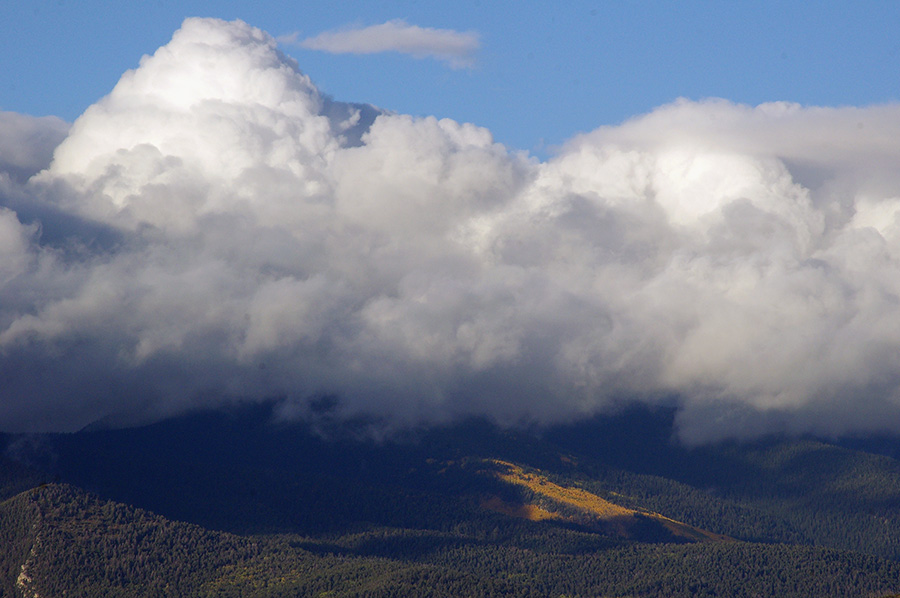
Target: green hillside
point(79, 545)
point(235, 505)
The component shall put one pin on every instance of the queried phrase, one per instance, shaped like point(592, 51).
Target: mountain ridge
point(442, 509)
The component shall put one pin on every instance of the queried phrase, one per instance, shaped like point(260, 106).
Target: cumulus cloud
point(27, 143)
point(454, 47)
point(215, 229)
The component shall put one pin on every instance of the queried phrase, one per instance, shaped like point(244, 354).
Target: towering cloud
point(215, 230)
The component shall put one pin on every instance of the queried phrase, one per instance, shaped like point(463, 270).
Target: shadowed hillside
point(234, 503)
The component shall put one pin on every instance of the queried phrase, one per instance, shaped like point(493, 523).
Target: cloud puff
point(454, 47)
point(215, 230)
point(27, 143)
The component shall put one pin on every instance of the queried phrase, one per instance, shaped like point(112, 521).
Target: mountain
point(236, 503)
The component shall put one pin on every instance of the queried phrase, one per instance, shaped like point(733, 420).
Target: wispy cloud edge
point(455, 48)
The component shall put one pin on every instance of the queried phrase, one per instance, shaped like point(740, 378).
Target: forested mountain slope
point(221, 504)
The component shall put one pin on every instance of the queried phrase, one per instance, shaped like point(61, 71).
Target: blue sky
point(542, 73)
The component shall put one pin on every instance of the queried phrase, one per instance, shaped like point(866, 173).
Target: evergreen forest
point(236, 503)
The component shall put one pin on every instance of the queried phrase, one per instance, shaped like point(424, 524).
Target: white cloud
point(454, 47)
point(210, 233)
